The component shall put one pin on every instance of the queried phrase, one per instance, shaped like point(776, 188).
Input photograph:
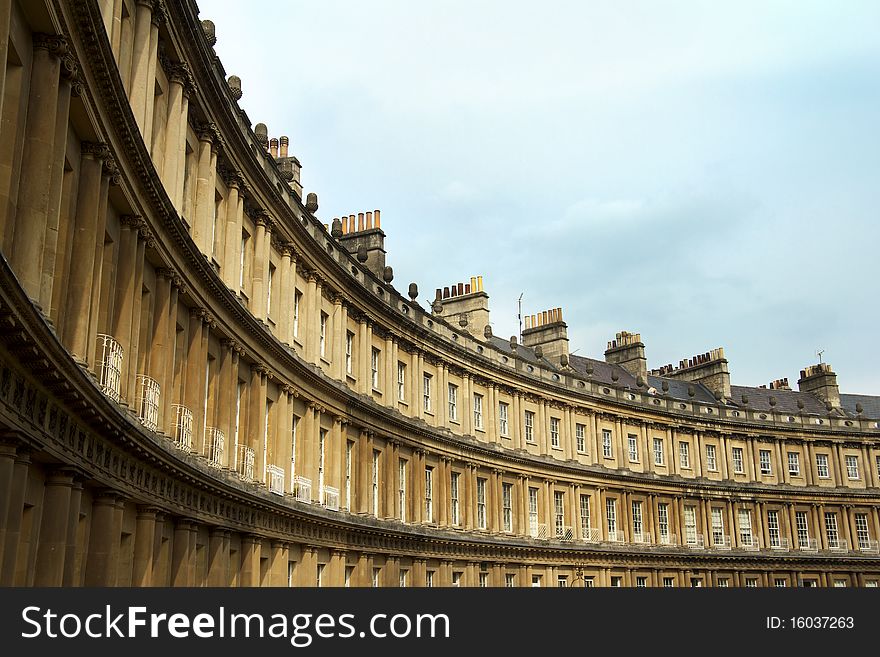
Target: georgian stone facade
point(203, 384)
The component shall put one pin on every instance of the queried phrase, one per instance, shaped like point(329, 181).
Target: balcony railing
point(667, 540)
point(721, 542)
point(214, 445)
point(616, 537)
point(810, 545)
point(183, 426)
point(642, 538)
point(302, 488)
point(109, 365)
point(275, 479)
point(781, 544)
point(749, 542)
point(246, 462)
point(869, 546)
point(839, 545)
point(564, 533)
point(538, 531)
point(696, 542)
point(331, 498)
point(592, 535)
point(148, 401)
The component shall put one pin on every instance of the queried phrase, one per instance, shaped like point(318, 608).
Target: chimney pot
point(360, 221)
point(273, 147)
point(376, 217)
point(284, 144)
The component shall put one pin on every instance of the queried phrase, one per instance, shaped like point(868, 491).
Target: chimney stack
point(820, 380)
point(284, 142)
point(547, 330)
point(360, 229)
point(470, 300)
point(709, 368)
point(628, 351)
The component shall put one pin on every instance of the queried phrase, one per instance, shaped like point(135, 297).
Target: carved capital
point(55, 44)
point(132, 221)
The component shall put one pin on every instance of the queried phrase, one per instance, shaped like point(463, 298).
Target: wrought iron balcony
point(214, 445)
point(183, 426)
point(695, 542)
point(110, 355)
point(302, 488)
point(331, 498)
point(245, 463)
point(592, 535)
point(721, 541)
point(564, 533)
point(749, 542)
point(780, 543)
point(667, 540)
point(838, 545)
point(810, 545)
point(275, 479)
point(148, 401)
point(616, 537)
point(642, 538)
point(870, 546)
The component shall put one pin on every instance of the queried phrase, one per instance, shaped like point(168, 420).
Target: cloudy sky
point(704, 173)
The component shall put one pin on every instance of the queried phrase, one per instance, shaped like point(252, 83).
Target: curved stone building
point(201, 383)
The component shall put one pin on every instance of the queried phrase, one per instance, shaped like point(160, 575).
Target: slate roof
point(870, 404)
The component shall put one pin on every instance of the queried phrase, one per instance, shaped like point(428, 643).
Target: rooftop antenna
point(819, 353)
point(519, 315)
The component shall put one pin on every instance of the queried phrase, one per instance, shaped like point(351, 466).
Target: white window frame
point(611, 515)
point(481, 503)
point(832, 530)
point(802, 527)
point(738, 464)
point(711, 459)
point(773, 533)
point(533, 511)
point(554, 432)
point(637, 524)
point(684, 455)
point(663, 521)
point(863, 532)
point(586, 522)
point(717, 517)
point(507, 506)
point(744, 516)
point(580, 438)
point(426, 392)
point(658, 451)
point(690, 524)
point(478, 411)
point(633, 441)
point(374, 367)
point(452, 397)
point(375, 483)
point(401, 381)
point(607, 447)
point(322, 341)
point(503, 413)
point(822, 466)
point(794, 464)
point(401, 489)
point(349, 346)
point(559, 512)
point(765, 461)
point(852, 467)
point(297, 301)
point(429, 493)
point(454, 498)
point(529, 422)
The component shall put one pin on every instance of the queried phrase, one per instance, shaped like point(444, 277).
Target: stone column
point(79, 297)
point(279, 559)
point(490, 413)
point(390, 367)
point(179, 89)
point(314, 321)
point(259, 269)
point(52, 265)
point(121, 320)
point(364, 346)
point(7, 471)
point(144, 542)
point(250, 560)
point(390, 495)
point(417, 404)
point(180, 553)
point(51, 551)
point(70, 577)
point(285, 296)
point(467, 417)
point(218, 557)
point(364, 473)
point(32, 217)
point(140, 89)
point(230, 267)
point(103, 541)
point(542, 428)
point(203, 221)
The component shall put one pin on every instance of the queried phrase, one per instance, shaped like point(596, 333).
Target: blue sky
point(705, 174)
